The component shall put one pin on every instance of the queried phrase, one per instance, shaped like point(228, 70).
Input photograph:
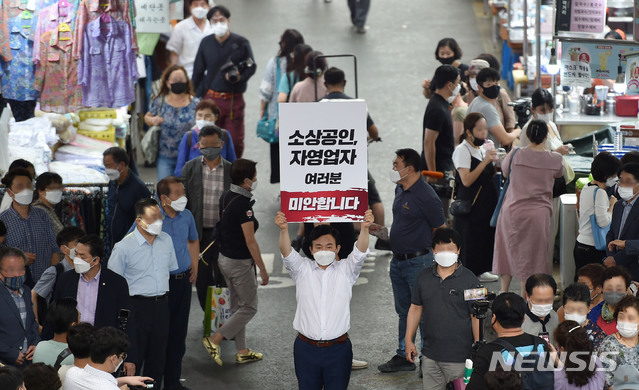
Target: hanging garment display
point(49, 18)
point(18, 75)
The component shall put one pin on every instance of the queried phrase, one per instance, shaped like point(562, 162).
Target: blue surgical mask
point(14, 282)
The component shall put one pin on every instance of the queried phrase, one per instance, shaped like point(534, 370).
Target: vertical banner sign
point(323, 161)
point(152, 16)
point(632, 75)
point(601, 58)
point(636, 21)
point(587, 16)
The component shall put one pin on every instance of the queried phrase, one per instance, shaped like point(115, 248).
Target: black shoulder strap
point(63, 355)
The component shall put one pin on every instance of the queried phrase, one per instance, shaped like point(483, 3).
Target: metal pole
point(538, 44)
point(525, 46)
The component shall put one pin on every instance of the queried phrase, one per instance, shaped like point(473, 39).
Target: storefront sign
point(632, 75)
point(575, 74)
point(602, 58)
point(323, 161)
point(152, 16)
point(588, 16)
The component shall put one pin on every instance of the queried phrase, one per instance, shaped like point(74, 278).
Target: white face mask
point(54, 196)
point(545, 117)
point(454, 92)
point(113, 174)
point(71, 253)
point(81, 266)
point(627, 329)
point(201, 123)
point(611, 181)
point(199, 12)
point(446, 259)
point(473, 84)
point(395, 176)
point(324, 258)
point(254, 185)
point(578, 318)
point(541, 310)
point(626, 193)
point(155, 228)
point(24, 197)
point(118, 365)
point(220, 29)
point(179, 204)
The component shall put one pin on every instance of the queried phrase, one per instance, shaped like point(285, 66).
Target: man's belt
point(406, 256)
point(221, 95)
point(144, 297)
point(324, 343)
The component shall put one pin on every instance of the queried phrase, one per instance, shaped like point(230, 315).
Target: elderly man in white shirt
point(323, 351)
point(187, 35)
point(108, 351)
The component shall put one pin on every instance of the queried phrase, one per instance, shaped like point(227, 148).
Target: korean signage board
point(152, 16)
point(632, 75)
point(602, 57)
point(584, 16)
point(323, 161)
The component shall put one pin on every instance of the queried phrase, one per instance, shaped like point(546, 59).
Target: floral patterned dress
point(614, 354)
point(177, 121)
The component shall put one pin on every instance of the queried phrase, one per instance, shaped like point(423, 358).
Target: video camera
point(481, 302)
point(233, 71)
point(523, 110)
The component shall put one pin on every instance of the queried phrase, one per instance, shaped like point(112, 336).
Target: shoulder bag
point(461, 207)
point(598, 233)
point(502, 194)
point(266, 126)
point(151, 140)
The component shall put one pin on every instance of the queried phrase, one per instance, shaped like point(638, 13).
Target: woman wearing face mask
point(173, 109)
point(239, 254)
point(447, 52)
point(592, 276)
point(572, 344)
point(620, 348)
point(275, 72)
point(524, 220)
point(576, 301)
point(595, 200)
point(48, 194)
point(616, 281)
point(474, 183)
point(206, 113)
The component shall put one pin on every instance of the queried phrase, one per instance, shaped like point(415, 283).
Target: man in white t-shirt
point(187, 35)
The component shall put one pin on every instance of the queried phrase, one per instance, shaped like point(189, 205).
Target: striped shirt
point(213, 185)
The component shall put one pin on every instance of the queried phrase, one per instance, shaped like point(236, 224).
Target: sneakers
point(249, 357)
point(397, 363)
point(488, 277)
point(213, 350)
point(359, 365)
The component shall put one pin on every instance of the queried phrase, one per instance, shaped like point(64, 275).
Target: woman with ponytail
point(578, 367)
point(304, 91)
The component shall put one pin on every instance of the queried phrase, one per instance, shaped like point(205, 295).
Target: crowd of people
point(79, 314)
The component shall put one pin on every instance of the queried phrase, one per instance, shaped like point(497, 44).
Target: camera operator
point(227, 60)
point(449, 327)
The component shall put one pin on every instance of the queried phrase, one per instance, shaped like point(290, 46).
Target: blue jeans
point(166, 166)
point(403, 275)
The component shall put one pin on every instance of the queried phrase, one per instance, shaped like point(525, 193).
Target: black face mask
point(492, 92)
point(178, 88)
point(447, 61)
point(478, 142)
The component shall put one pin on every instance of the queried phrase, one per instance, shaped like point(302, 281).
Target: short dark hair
point(629, 157)
point(45, 180)
point(69, 234)
point(334, 76)
point(611, 272)
point(3, 229)
point(499, 379)
point(509, 310)
point(242, 169)
point(594, 272)
point(40, 376)
point(142, 204)
point(7, 180)
point(108, 341)
point(9, 251)
point(322, 230)
point(625, 303)
point(164, 185)
point(209, 130)
point(208, 104)
point(540, 280)
point(10, 378)
point(410, 157)
point(487, 74)
point(604, 166)
point(537, 131)
point(631, 168)
point(221, 9)
point(95, 244)
point(446, 236)
point(470, 121)
point(62, 313)
point(540, 97)
point(445, 74)
point(20, 163)
point(117, 154)
point(493, 62)
point(613, 34)
point(79, 340)
point(452, 44)
point(576, 292)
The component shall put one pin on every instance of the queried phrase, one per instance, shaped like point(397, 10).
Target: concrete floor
point(393, 57)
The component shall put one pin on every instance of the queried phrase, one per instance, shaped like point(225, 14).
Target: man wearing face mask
point(108, 351)
point(125, 188)
point(541, 320)
point(438, 302)
point(227, 60)
point(625, 221)
point(488, 92)
point(417, 213)
point(205, 179)
point(187, 35)
point(18, 327)
point(28, 228)
point(323, 352)
point(101, 293)
point(145, 258)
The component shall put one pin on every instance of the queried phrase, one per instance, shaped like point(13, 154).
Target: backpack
point(43, 305)
point(532, 379)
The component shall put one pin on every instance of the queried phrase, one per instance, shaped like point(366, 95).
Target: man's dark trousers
point(179, 308)
point(322, 367)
